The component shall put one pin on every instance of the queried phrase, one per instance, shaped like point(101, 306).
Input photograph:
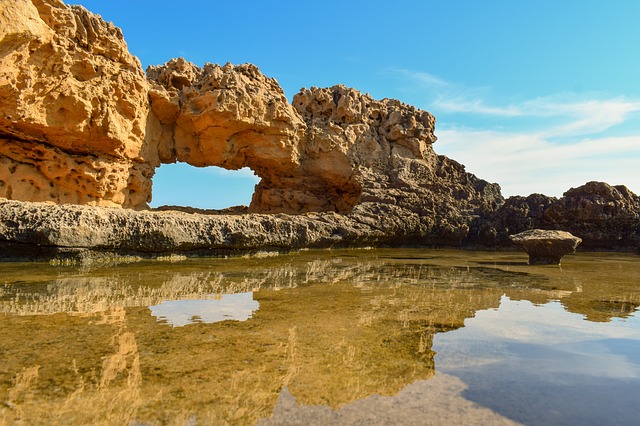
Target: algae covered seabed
point(383, 336)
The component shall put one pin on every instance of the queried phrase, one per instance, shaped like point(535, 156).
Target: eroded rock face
point(604, 216)
point(330, 150)
point(48, 230)
point(80, 123)
point(226, 116)
point(73, 109)
point(546, 247)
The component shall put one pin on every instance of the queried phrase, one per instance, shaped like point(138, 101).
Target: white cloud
point(546, 144)
point(243, 173)
point(526, 163)
point(425, 79)
point(475, 106)
point(552, 330)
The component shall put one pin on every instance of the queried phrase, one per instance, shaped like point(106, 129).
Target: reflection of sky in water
point(539, 333)
point(237, 307)
point(542, 362)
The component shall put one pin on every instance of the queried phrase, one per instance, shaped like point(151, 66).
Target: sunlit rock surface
point(81, 124)
point(73, 109)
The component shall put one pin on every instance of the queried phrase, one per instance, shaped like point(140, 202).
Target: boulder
point(73, 109)
point(546, 247)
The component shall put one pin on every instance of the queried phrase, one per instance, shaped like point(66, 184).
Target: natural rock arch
point(80, 123)
point(233, 117)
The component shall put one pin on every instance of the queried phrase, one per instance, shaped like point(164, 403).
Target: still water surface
point(392, 336)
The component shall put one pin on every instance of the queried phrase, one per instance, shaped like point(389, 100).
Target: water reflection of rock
point(70, 370)
point(331, 329)
point(99, 291)
point(598, 286)
point(330, 341)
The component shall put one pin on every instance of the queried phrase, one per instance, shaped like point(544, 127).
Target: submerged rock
point(546, 247)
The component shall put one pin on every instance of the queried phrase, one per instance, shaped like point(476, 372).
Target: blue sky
point(539, 96)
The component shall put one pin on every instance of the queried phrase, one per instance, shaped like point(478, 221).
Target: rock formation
point(329, 151)
point(603, 216)
point(73, 109)
point(546, 247)
point(81, 124)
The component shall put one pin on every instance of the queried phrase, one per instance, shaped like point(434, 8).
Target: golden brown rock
point(229, 116)
point(73, 108)
point(81, 124)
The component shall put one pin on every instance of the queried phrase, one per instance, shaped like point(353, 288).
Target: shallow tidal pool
point(393, 336)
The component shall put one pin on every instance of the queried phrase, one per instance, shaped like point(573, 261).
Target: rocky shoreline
point(83, 129)
point(596, 212)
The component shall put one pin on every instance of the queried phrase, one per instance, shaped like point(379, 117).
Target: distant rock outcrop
point(603, 216)
point(81, 124)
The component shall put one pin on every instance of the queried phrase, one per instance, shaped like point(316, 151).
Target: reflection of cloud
point(551, 340)
point(543, 145)
point(239, 307)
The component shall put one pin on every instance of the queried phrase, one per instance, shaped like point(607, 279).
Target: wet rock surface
point(31, 230)
point(546, 247)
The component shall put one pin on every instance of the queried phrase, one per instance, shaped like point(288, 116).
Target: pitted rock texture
point(82, 124)
point(73, 108)
point(546, 247)
point(35, 230)
point(231, 117)
point(330, 150)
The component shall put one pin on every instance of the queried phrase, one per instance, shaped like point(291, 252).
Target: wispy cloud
point(242, 173)
point(545, 144)
point(525, 163)
point(476, 106)
point(423, 78)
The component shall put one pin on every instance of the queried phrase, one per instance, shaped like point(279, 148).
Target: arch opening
point(182, 186)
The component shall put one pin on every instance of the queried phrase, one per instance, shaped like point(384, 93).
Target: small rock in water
point(546, 247)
